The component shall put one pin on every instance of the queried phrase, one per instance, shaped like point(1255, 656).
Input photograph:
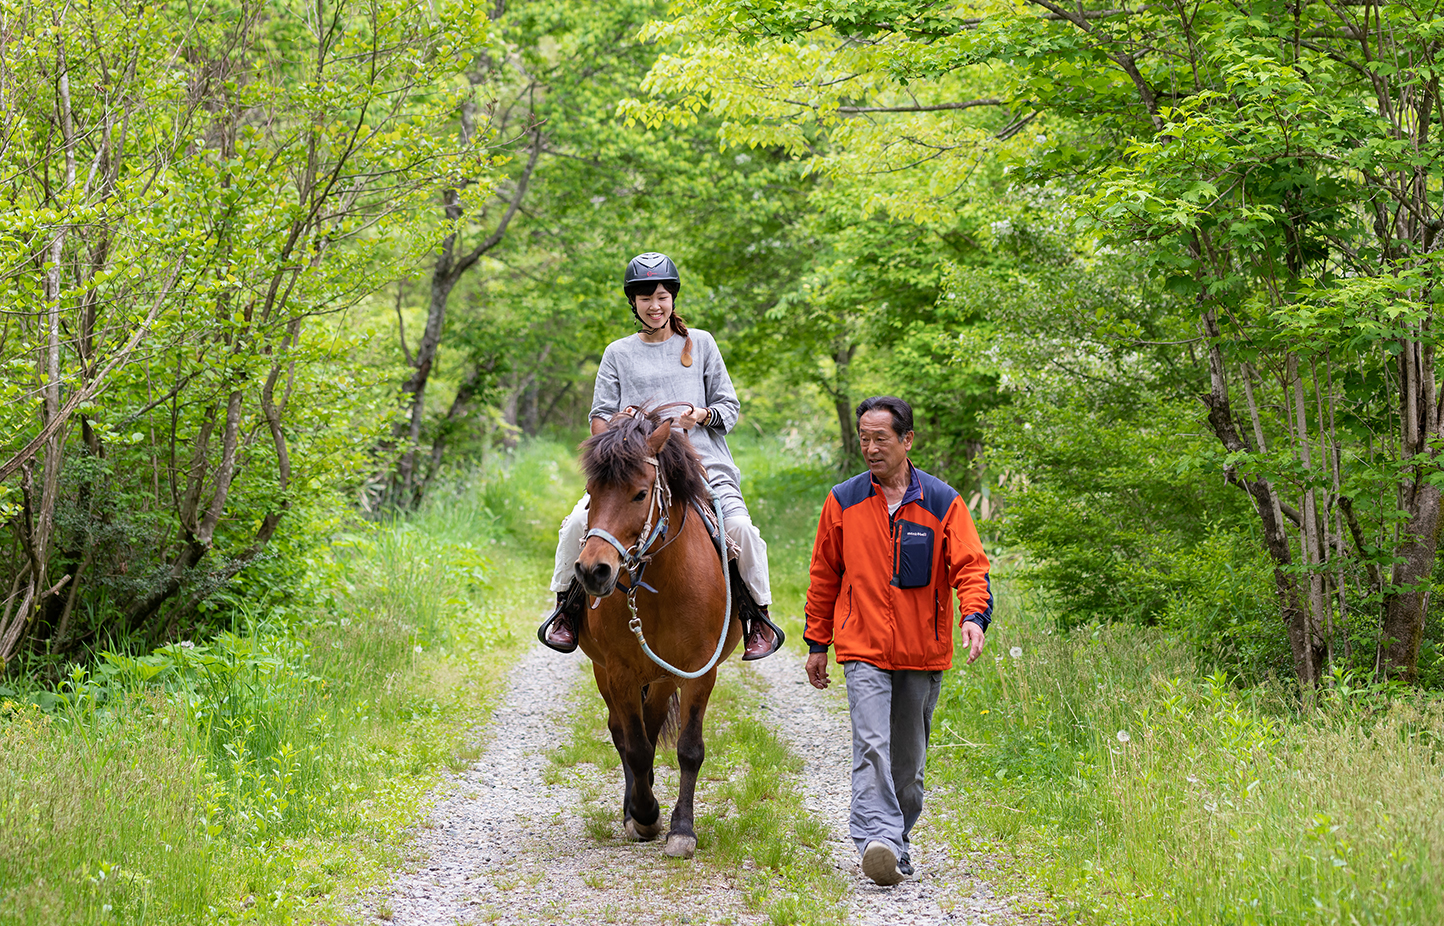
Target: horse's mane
point(616, 454)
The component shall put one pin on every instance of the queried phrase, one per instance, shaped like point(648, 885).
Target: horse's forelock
point(615, 455)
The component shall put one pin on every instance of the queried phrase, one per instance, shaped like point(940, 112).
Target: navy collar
point(915, 487)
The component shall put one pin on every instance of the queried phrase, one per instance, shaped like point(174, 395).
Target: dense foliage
point(1272, 167)
point(265, 263)
point(195, 195)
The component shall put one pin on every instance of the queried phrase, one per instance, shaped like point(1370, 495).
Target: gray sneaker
point(905, 865)
point(879, 863)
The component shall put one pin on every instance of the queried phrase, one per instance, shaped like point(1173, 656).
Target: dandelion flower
point(1123, 736)
point(418, 647)
point(1016, 652)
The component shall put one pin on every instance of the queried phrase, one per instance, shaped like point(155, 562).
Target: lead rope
point(636, 622)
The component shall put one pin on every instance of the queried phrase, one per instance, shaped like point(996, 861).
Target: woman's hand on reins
point(693, 417)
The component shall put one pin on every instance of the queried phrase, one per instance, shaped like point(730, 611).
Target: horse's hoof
point(642, 832)
point(679, 846)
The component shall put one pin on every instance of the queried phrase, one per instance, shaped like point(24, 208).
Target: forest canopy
point(1158, 280)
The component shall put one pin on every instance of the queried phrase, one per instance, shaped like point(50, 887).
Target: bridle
point(636, 558)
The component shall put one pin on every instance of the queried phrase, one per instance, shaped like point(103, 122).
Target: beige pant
point(751, 552)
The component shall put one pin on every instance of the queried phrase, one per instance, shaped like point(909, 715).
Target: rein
point(635, 624)
point(635, 561)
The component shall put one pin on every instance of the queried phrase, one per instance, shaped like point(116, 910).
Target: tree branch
point(495, 237)
point(933, 108)
point(85, 395)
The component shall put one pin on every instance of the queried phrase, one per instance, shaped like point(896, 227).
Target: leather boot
point(760, 637)
point(559, 629)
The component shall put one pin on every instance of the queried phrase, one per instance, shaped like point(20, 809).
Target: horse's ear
point(658, 438)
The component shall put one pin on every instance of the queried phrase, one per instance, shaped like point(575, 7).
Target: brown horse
point(642, 521)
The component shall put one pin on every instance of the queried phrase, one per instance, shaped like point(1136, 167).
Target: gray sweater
point(635, 373)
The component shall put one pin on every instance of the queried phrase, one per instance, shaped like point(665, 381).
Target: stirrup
point(751, 628)
point(749, 611)
point(566, 610)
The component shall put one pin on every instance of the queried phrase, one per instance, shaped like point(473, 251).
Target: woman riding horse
point(666, 363)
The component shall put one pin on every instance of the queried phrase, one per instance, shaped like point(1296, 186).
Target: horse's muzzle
point(599, 579)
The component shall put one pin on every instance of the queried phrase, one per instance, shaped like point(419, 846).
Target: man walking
point(891, 545)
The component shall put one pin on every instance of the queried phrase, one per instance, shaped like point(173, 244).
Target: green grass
point(784, 492)
point(748, 806)
point(752, 810)
point(1130, 788)
point(270, 774)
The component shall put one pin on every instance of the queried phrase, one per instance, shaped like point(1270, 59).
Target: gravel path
point(505, 846)
point(815, 725)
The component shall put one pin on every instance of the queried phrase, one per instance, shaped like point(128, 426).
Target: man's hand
point(972, 639)
point(817, 670)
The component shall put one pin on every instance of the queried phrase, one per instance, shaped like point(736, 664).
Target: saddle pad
point(709, 519)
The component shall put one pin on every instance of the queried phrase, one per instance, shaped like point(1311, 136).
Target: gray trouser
point(892, 718)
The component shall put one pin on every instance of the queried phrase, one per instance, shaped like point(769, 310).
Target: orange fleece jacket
point(879, 588)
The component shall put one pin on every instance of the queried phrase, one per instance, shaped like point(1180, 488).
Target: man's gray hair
point(902, 412)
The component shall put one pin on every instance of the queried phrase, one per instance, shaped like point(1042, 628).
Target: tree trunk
point(409, 430)
point(1406, 601)
point(532, 414)
point(1301, 624)
point(1405, 609)
point(851, 453)
point(449, 269)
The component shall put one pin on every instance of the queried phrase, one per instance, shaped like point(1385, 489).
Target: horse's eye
point(640, 495)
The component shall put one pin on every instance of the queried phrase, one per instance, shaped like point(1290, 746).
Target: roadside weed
point(267, 774)
point(1136, 789)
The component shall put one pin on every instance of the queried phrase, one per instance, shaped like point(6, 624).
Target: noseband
point(635, 559)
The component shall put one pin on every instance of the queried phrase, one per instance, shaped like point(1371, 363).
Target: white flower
point(1016, 652)
point(1123, 736)
point(418, 647)
point(186, 644)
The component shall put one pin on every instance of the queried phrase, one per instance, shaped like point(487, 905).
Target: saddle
point(747, 608)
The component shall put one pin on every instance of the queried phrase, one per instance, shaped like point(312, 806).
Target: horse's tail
point(672, 726)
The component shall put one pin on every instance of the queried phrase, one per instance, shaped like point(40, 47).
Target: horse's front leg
point(616, 727)
point(682, 839)
point(641, 812)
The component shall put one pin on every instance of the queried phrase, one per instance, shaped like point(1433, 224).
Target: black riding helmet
point(645, 271)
